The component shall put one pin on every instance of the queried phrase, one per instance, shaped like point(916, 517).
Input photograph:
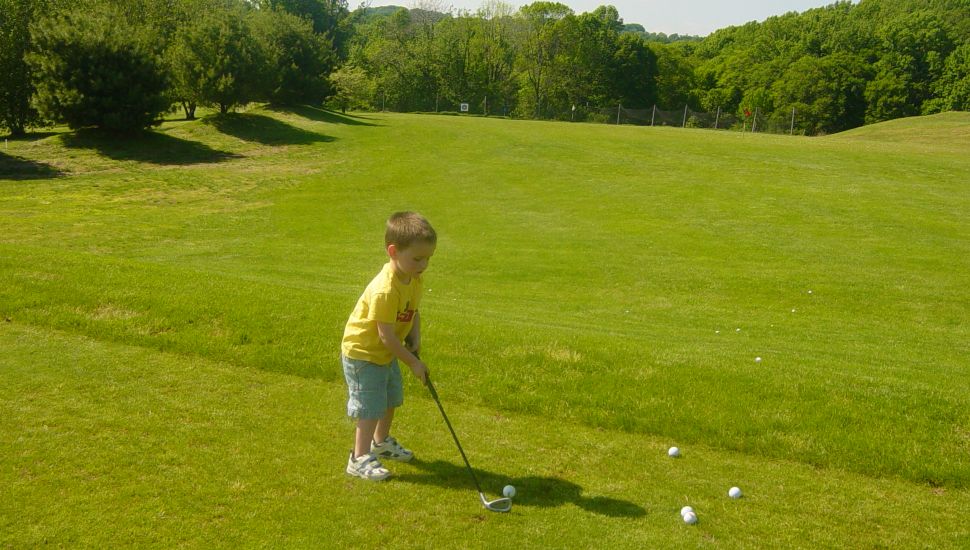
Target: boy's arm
point(413, 340)
point(393, 343)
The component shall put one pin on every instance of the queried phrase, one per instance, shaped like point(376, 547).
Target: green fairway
point(171, 309)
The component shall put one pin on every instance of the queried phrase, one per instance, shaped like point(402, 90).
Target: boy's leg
point(363, 463)
point(384, 445)
point(366, 396)
point(384, 426)
point(395, 398)
point(365, 434)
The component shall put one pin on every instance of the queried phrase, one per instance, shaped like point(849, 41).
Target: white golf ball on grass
point(673, 452)
point(686, 510)
point(734, 492)
point(690, 518)
point(508, 491)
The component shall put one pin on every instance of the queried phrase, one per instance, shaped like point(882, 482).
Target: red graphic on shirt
point(406, 315)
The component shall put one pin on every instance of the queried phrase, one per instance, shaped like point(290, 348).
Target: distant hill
point(381, 11)
point(634, 28)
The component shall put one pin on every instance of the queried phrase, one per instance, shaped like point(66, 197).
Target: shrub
point(217, 60)
point(93, 69)
point(298, 59)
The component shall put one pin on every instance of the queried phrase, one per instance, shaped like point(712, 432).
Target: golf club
point(497, 505)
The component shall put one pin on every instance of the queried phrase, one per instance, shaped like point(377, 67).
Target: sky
point(690, 17)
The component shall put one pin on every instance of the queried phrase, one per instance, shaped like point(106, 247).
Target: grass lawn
point(171, 307)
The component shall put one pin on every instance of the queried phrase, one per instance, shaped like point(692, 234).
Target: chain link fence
point(750, 121)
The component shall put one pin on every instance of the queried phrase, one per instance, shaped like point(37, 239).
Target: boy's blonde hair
point(407, 228)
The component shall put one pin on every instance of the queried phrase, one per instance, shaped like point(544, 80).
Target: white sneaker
point(367, 467)
point(391, 449)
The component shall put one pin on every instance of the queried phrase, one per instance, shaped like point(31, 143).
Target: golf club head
point(497, 505)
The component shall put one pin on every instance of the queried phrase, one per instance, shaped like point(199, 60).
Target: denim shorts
point(372, 388)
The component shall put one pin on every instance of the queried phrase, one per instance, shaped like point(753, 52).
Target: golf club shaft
point(437, 401)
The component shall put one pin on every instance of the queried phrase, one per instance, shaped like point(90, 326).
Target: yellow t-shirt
point(386, 299)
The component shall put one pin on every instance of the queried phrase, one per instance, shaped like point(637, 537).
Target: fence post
point(792, 132)
point(684, 124)
point(654, 115)
point(717, 117)
point(754, 123)
point(618, 107)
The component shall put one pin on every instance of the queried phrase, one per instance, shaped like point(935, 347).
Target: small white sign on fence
point(464, 107)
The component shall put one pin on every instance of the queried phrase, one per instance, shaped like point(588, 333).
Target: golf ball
point(686, 510)
point(734, 492)
point(673, 452)
point(757, 359)
point(508, 491)
point(690, 518)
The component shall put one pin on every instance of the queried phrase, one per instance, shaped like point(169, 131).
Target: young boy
point(385, 327)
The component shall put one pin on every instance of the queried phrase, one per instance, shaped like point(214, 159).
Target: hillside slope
point(944, 131)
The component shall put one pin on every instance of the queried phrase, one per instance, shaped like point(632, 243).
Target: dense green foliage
point(328, 18)
point(638, 30)
point(821, 71)
point(540, 61)
point(837, 67)
point(217, 60)
point(16, 111)
point(879, 59)
point(100, 62)
point(303, 58)
point(94, 69)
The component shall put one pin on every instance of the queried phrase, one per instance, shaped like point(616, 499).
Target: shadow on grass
point(151, 147)
point(323, 115)
point(31, 136)
point(263, 129)
point(18, 168)
point(543, 492)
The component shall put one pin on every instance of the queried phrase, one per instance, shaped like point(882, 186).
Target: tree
point(953, 88)
point(889, 93)
point(329, 18)
point(676, 75)
point(825, 93)
point(634, 74)
point(298, 60)
point(539, 45)
point(492, 54)
point(428, 60)
point(16, 111)
point(914, 46)
point(584, 69)
point(384, 48)
point(353, 88)
point(451, 57)
point(217, 60)
point(93, 68)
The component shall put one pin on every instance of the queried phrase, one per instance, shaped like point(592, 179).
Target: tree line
point(120, 64)
point(838, 66)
